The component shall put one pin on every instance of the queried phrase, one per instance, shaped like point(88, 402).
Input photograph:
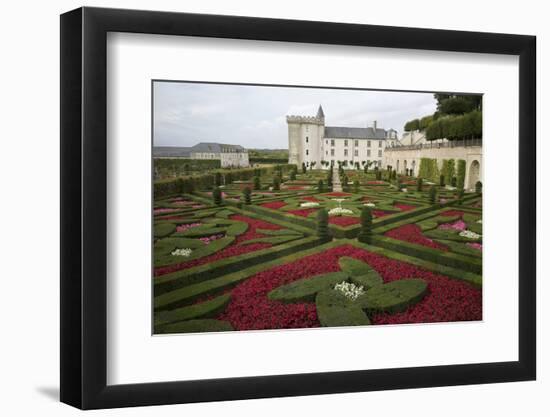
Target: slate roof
point(214, 147)
point(320, 113)
point(354, 133)
point(171, 151)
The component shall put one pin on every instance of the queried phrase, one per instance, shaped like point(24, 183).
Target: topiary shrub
point(442, 180)
point(304, 168)
point(460, 195)
point(453, 181)
point(293, 175)
point(217, 179)
point(229, 178)
point(322, 224)
point(365, 233)
point(276, 183)
point(356, 186)
point(305, 289)
point(395, 296)
point(419, 184)
point(461, 173)
point(164, 229)
point(246, 195)
point(217, 196)
point(478, 187)
point(432, 194)
point(257, 183)
point(320, 186)
point(361, 274)
point(335, 309)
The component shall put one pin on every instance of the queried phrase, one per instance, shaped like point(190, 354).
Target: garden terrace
point(219, 262)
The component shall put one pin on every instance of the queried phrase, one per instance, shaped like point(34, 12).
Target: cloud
point(255, 116)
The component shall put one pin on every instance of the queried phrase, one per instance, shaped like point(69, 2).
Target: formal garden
point(282, 247)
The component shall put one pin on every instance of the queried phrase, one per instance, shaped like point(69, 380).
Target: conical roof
point(320, 113)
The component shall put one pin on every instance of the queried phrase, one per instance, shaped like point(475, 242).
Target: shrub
point(217, 196)
point(246, 195)
point(329, 178)
point(365, 234)
point(361, 274)
point(453, 181)
point(306, 288)
point(304, 168)
point(461, 173)
point(335, 309)
point(292, 175)
point(229, 178)
point(322, 224)
point(378, 175)
point(164, 229)
point(320, 186)
point(478, 187)
point(345, 180)
point(442, 180)
point(257, 183)
point(432, 194)
point(460, 195)
point(395, 296)
point(419, 184)
point(356, 186)
point(276, 183)
point(217, 179)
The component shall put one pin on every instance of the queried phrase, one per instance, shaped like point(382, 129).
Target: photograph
point(293, 207)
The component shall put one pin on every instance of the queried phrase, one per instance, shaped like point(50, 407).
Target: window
point(380, 163)
point(368, 152)
point(307, 139)
point(307, 151)
point(368, 143)
point(356, 143)
point(356, 152)
point(345, 142)
point(379, 143)
point(326, 152)
point(345, 152)
point(380, 154)
point(332, 142)
point(332, 152)
point(326, 142)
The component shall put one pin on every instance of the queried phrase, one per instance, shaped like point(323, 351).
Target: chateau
point(311, 142)
point(228, 155)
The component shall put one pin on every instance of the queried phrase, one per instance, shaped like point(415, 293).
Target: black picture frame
point(84, 207)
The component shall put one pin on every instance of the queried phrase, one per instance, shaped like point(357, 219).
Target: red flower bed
point(380, 213)
point(302, 212)
point(232, 250)
point(404, 207)
point(295, 187)
point(344, 220)
point(338, 194)
point(413, 234)
point(377, 182)
point(452, 213)
point(250, 309)
point(274, 205)
point(311, 199)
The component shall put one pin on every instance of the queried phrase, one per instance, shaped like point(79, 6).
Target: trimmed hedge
point(360, 272)
point(204, 250)
point(164, 229)
point(395, 296)
point(334, 309)
point(197, 326)
point(306, 288)
point(208, 308)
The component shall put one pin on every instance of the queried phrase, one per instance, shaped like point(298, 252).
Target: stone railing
point(437, 145)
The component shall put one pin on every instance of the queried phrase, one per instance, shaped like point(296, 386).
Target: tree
point(292, 175)
point(322, 224)
point(217, 196)
point(442, 180)
point(329, 178)
point(461, 174)
point(217, 179)
point(356, 186)
point(432, 194)
point(425, 122)
point(276, 183)
point(257, 183)
point(246, 194)
point(320, 186)
point(365, 234)
point(304, 168)
point(412, 125)
point(419, 184)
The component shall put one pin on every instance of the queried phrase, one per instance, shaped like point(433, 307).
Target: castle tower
point(305, 139)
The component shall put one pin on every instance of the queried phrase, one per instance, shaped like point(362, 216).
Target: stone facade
point(402, 158)
point(229, 155)
point(311, 142)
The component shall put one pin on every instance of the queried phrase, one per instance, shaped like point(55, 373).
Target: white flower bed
point(369, 204)
point(309, 204)
point(479, 221)
point(339, 200)
point(350, 290)
point(182, 252)
point(448, 187)
point(429, 183)
point(404, 190)
point(339, 211)
point(469, 234)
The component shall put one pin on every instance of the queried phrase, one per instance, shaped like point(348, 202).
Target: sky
point(255, 116)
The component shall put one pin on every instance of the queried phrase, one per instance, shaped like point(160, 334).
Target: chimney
point(374, 125)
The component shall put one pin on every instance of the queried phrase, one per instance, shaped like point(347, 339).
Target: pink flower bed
point(338, 194)
point(413, 234)
point(232, 250)
point(302, 212)
point(458, 225)
point(377, 182)
point(274, 205)
point(207, 239)
point(475, 245)
point(344, 220)
point(295, 187)
point(380, 213)
point(250, 309)
point(404, 207)
point(182, 203)
point(452, 213)
point(184, 227)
